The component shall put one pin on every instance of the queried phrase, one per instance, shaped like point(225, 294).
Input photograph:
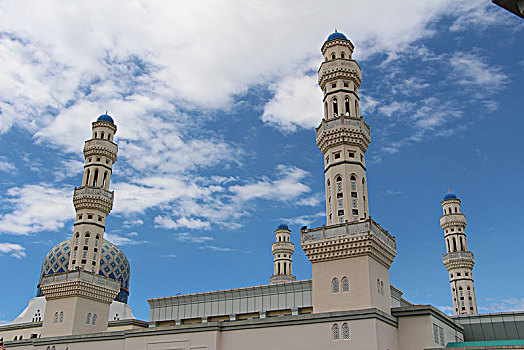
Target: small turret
point(283, 255)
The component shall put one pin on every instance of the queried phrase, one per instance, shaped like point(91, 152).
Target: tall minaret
point(78, 301)
point(283, 255)
point(93, 200)
point(343, 137)
point(459, 261)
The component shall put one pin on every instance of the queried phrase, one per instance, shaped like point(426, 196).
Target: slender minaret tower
point(351, 256)
point(283, 255)
point(343, 137)
point(93, 200)
point(459, 261)
point(78, 301)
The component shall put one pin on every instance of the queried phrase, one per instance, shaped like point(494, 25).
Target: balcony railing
point(346, 120)
point(348, 229)
point(95, 191)
point(457, 255)
point(113, 147)
point(81, 275)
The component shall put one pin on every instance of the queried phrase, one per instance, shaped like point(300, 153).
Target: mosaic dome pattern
point(113, 264)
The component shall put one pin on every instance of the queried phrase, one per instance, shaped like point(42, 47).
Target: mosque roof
point(336, 35)
point(113, 264)
point(105, 118)
point(450, 195)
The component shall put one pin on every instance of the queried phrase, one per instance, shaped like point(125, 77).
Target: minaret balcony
point(283, 247)
point(339, 68)
point(105, 148)
point(456, 260)
point(88, 197)
point(349, 239)
point(456, 219)
point(343, 129)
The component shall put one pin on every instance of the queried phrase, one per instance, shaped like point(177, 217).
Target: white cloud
point(297, 101)
point(169, 256)
point(218, 249)
point(132, 222)
point(287, 187)
point(473, 71)
point(305, 220)
point(391, 192)
point(120, 240)
point(7, 167)
point(36, 208)
point(13, 249)
point(183, 222)
point(502, 305)
point(187, 237)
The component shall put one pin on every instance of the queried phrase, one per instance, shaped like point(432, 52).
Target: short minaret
point(77, 301)
point(343, 137)
point(93, 200)
point(283, 255)
point(459, 261)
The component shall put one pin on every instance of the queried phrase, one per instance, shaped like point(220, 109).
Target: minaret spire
point(93, 200)
point(459, 261)
point(342, 136)
point(283, 255)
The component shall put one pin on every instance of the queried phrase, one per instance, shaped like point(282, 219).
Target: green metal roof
point(485, 343)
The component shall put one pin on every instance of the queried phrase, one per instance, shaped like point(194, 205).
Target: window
point(340, 204)
point(355, 211)
point(340, 212)
point(435, 333)
point(378, 286)
point(340, 195)
point(90, 216)
point(333, 86)
point(354, 203)
point(56, 317)
point(327, 160)
point(334, 285)
point(381, 288)
point(333, 56)
point(345, 284)
point(354, 194)
point(95, 178)
point(342, 55)
point(102, 135)
point(345, 331)
point(335, 332)
point(61, 317)
point(337, 155)
point(335, 107)
point(346, 105)
point(99, 218)
point(88, 319)
point(94, 320)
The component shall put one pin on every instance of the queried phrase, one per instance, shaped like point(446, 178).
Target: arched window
point(456, 210)
point(56, 317)
point(86, 240)
point(447, 240)
point(102, 135)
point(95, 178)
point(335, 107)
point(88, 319)
point(109, 136)
point(87, 177)
point(353, 178)
point(454, 244)
point(95, 135)
point(346, 105)
point(345, 284)
point(96, 240)
point(76, 238)
point(105, 179)
point(381, 287)
point(342, 55)
point(345, 331)
point(378, 286)
point(61, 317)
point(94, 320)
point(285, 269)
point(335, 288)
point(335, 332)
point(333, 56)
point(278, 266)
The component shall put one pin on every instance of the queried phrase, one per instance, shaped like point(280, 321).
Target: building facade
point(348, 304)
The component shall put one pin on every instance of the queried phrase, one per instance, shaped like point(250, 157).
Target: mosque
point(350, 303)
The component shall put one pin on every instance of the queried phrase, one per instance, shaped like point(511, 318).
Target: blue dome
point(450, 195)
point(282, 227)
point(336, 35)
point(105, 118)
point(113, 264)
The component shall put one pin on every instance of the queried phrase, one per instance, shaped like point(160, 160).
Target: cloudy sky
point(216, 104)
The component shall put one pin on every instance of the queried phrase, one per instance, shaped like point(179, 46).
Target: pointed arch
point(335, 107)
point(346, 106)
point(335, 287)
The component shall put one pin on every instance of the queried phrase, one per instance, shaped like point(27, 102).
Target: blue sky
point(216, 105)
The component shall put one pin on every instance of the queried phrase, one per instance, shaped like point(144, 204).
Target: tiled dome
point(336, 35)
point(282, 227)
point(105, 118)
point(113, 264)
point(450, 195)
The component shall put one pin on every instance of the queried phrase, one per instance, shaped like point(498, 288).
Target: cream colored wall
point(26, 333)
point(414, 333)
point(75, 315)
point(362, 272)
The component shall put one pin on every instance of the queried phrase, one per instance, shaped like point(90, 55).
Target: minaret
point(343, 137)
point(283, 255)
point(351, 256)
point(93, 200)
point(459, 261)
point(78, 301)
